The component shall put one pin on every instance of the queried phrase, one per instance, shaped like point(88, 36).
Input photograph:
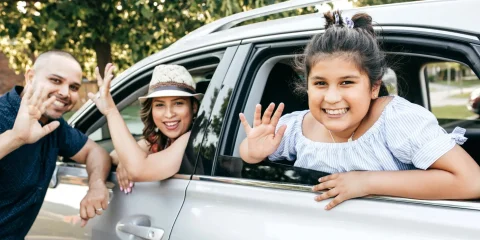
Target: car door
point(230, 199)
point(151, 209)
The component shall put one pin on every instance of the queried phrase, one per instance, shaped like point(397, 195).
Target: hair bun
point(363, 21)
point(329, 19)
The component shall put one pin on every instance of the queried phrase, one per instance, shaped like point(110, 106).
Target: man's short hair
point(45, 55)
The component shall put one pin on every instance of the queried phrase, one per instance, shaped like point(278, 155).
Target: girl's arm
point(455, 175)
point(140, 165)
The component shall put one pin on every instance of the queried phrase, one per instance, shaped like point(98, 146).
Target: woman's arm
point(140, 165)
point(142, 143)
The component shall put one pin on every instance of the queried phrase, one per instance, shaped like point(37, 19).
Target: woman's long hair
point(150, 131)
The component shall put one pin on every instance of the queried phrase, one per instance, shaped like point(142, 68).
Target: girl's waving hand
point(262, 140)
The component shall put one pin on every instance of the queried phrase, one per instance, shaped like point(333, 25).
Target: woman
point(167, 112)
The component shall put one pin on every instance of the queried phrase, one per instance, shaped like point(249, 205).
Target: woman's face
point(173, 115)
point(339, 94)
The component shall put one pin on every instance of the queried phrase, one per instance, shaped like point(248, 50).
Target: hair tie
point(349, 22)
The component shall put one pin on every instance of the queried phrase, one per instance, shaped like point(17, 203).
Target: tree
point(98, 32)
point(361, 3)
point(94, 31)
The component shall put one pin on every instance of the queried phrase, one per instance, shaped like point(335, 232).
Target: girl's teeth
point(337, 111)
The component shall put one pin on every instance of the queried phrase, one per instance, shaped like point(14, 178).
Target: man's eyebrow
point(56, 75)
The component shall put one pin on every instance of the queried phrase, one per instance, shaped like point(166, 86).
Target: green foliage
point(133, 28)
point(361, 3)
point(97, 32)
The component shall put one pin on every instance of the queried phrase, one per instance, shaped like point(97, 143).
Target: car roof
point(452, 15)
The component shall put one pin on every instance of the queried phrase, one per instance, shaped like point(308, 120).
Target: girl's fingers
point(268, 114)
point(337, 200)
point(279, 135)
point(256, 117)
point(324, 185)
point(277, 115)
point(245, 124)
point(328, 194)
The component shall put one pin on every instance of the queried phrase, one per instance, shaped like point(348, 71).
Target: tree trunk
point(104, 55)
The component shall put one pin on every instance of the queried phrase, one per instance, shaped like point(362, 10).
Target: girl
point(354, 130)
point(167, 112)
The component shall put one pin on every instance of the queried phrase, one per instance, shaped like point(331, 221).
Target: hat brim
point(171, 93)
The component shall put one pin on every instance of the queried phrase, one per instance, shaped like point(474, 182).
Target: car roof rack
point(235, 19)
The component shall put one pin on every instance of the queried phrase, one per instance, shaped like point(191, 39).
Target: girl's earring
point(156, 130)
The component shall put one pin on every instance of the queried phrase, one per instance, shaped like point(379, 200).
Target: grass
point(464, 95)
point(452, 112)
point(465, 83)
point(67, 115)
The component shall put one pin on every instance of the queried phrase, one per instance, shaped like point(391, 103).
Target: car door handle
point(150, 233)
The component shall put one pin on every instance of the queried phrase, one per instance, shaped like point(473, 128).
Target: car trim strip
point(463, 204)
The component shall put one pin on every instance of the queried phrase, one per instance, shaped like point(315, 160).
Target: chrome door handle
point(141, 231)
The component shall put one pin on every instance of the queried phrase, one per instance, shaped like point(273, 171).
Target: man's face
point(61, 77)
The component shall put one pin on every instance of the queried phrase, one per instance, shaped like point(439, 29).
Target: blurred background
point(126, 31)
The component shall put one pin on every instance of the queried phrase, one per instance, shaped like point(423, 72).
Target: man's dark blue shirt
point(26, 172)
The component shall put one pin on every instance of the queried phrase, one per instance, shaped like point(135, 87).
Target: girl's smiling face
point(173, 115)
point(339, 94)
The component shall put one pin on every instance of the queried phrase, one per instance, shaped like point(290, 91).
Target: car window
point(129, 105)
point(454, 90)
point(271, 81)
point(131, 116)
point(272, 77)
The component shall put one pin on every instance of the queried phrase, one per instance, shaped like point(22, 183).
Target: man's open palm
point(34, 103)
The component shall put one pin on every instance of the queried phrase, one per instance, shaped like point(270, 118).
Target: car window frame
point(225, 142)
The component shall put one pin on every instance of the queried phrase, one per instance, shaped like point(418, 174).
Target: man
point(33, 134)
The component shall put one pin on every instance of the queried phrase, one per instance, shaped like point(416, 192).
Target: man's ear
point(29, 76)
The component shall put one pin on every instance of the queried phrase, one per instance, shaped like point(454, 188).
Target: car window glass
point(454, 91)
point(274, 81)
point(131, 113)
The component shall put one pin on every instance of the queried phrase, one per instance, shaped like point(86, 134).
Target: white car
point(218, 196)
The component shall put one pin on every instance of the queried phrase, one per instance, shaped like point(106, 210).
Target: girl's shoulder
point(401, 108)
point(396, 106)
point(293, 118)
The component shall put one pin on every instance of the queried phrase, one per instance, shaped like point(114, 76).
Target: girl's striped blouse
point(406, 136)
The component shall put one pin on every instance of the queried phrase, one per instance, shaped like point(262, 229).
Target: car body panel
point(249, 212)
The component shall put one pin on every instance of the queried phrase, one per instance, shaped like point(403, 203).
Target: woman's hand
point(342, 186)
point(126, 185)
point(103, 99)
point(262, 139)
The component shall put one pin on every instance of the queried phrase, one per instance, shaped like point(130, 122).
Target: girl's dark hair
point(149, 130)
point(340, 38)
